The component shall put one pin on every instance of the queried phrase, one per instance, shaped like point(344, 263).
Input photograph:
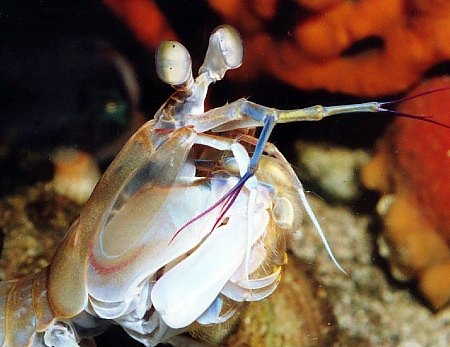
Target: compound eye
point(230, 45)
point(173, 63)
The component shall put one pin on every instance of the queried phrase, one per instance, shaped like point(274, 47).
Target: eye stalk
point(173, 64)
point(225, 52)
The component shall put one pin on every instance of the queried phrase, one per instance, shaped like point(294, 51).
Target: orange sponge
point(411, 169)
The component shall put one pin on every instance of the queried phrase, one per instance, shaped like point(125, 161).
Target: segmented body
point(132, 252)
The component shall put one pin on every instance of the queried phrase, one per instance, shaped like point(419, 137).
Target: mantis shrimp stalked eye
point(225, 51)
point(190, 220)
point(173, 63)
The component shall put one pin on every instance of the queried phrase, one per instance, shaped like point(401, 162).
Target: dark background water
point(55, 73)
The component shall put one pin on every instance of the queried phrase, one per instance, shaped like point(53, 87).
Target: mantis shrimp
point(185, 225)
